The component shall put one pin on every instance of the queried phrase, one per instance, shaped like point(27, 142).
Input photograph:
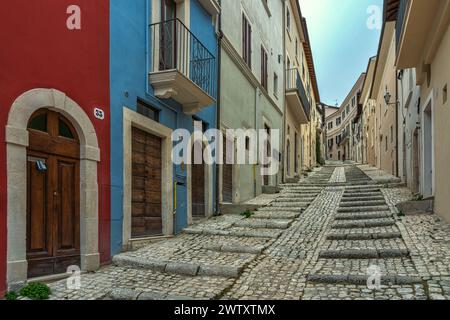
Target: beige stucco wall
point(440, 77)
point(386, 114)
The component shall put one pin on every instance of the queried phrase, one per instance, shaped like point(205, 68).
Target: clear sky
point(342, 43)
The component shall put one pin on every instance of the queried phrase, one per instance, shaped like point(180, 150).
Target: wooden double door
point(146, 210)
point(53, 195)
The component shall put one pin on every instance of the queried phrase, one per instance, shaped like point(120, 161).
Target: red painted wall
point(38, 51)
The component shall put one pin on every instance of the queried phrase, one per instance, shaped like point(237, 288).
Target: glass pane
point(39, 123)
point(64, 130)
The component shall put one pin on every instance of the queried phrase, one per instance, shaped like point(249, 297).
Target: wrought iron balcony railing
point(174, 47)
point(294, 82)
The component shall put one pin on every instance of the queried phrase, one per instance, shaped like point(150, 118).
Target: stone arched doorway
point(18, 141)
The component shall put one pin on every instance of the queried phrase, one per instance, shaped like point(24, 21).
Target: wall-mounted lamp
point(387, 98)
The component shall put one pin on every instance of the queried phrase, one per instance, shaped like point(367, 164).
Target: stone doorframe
point(134, 119)
point(235, 171)
point(16, 151)
point(208, 186)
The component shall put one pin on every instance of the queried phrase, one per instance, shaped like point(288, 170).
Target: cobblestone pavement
point(334, 235)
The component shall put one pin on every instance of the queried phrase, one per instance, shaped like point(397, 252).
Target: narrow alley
point(327, 237)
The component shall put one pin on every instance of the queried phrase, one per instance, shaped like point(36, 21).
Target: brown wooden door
point(227, 174)
point(53, 195)
point(146, 210)
point(198, 187)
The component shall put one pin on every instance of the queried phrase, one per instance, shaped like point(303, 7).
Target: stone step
point(364, 254)
point(362, 198)
point(294, 199)
point(125, 294)
point(351, 279)
point(369, 203)
point(363, 209)
point(289, 205)
point(362, 194)
point(363, 224)
point(236, 232)
point(235, 248)
point(263, 224)
point(361, 191)
point(275, 215)
point(280, 209)
point(364, 216)
point(364, 236)
point(180, 268)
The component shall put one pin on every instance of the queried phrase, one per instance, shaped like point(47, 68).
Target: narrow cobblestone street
point(318, 239)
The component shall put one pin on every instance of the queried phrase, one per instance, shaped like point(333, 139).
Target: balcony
point(296, 96)
point(345, 137)
point(181, 67)
point(212, 6)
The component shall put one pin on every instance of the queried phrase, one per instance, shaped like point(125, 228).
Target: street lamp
point(387, 98)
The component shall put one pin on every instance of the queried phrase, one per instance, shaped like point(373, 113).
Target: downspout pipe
point(397, 105)
point(283, 133)
point(218, 104)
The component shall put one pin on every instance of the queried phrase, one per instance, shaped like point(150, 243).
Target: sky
point(341, 41)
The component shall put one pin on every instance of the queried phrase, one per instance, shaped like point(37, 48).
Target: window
point(444, 94)
point(64, 130)
point(386, 140)
point(264, 73)
point(275, 84)
point(288, 20)
point(330, 125)
point(353, 101)
point(338, 121)
point(392, 134)
point(247, 143)
point(347, 109)
point(296, 47)
point(343, 115)
point(147, 111)
point(246, 41)
point(39, 123)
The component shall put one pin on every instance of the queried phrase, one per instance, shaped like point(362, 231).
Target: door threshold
point(50, 278)
point(137, 243)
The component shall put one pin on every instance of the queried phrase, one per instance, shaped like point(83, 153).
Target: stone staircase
point(363, 235)
point(224, 246)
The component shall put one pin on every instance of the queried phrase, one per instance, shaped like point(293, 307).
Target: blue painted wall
point(129, 73)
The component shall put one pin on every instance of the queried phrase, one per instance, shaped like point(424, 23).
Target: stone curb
point(364, 254)
point(362, 204)
point(363, 224)
point(362, 280)
point(365, 236)
point(366, 209)
point(363, 216)
point(185, 269)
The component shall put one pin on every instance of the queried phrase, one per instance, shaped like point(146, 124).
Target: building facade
point(423, 42)
point(163, 78)
point(367, 118)
point(341, 144)
point(251, 90)
point(384, 92)
point(55, 119)
point(301, 116)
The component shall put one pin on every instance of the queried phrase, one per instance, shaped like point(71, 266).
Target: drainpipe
point(283, 133)
point(218, 121)
point(396, 126)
